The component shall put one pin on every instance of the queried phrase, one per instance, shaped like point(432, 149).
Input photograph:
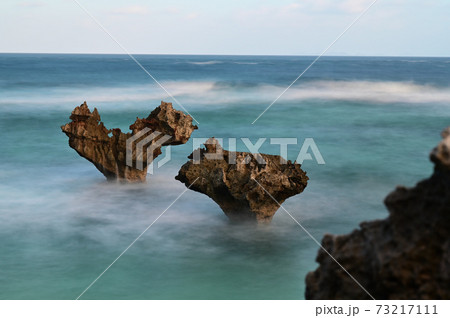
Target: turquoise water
point(61, 224)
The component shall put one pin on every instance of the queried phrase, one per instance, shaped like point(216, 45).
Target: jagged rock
point(228, 178)
point(406, 256)
point(107, 148)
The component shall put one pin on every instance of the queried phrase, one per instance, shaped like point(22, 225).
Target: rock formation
point(107, 148)
point(228, 178)
point(406, 256)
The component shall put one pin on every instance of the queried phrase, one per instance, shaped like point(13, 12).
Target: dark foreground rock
point(406, 256)
point(230, 178)
point(107, 148)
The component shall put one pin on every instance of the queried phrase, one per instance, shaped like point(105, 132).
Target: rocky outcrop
point(107, 148)
point(406, 256)
point(231, 180)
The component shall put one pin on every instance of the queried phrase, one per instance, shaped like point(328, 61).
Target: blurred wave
point(213, 92)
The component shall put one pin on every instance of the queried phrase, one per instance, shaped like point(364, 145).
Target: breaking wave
point(210, 93)
point(205, 63)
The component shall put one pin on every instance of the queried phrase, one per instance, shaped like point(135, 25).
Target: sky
point(249, 27)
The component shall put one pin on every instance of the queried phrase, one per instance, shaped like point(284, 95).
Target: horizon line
point(221, 54)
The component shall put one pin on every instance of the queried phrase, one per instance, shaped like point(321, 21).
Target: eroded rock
point(406, 256)
point(228, 178)
point(107, 148)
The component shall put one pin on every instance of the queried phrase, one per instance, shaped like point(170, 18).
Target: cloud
point(317, 6)
point(136, 10)
point(144, 10)
point(333, 6)
point(355, 6)
point(303, 13)
point(192, 16)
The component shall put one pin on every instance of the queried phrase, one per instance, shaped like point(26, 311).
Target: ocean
point(374, 120)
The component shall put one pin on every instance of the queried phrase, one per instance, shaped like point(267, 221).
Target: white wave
point(200, 93)
point(205, 63)
point(139, 93)
point(378, 92)
point(415, 61)
point(246, 63)
point(364, 91)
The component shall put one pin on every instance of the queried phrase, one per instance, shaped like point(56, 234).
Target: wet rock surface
point(406, 256)
point(231, 180)
point(107, 148)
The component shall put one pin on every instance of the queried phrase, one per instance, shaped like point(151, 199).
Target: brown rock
point(107, 148)
point(406, 256)
point(230, 178)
